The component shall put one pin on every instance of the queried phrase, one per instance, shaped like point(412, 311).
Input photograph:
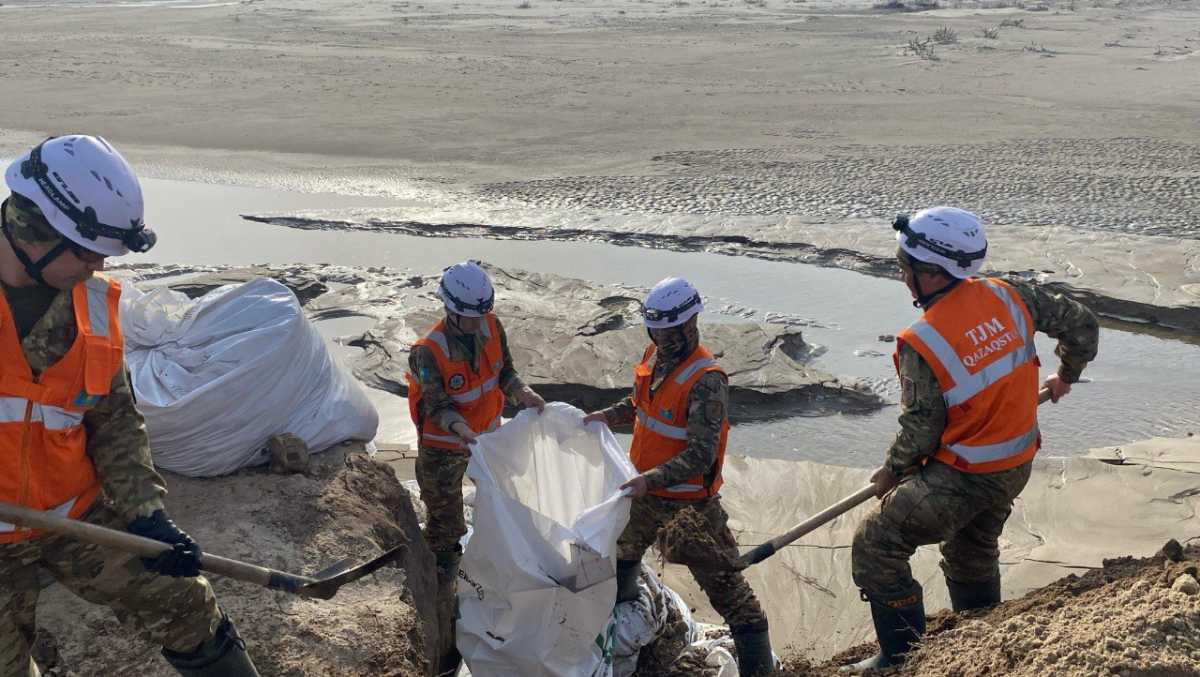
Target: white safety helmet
point(86, 191)
point(949, 237)
point(467, 290)
point(670, 303)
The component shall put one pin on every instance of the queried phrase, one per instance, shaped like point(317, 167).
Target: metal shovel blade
point(325, 583)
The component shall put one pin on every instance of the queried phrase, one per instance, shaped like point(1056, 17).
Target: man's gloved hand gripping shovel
point(761, 552)
point(322, 585)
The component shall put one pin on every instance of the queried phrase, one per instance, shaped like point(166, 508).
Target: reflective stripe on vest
point(995, 452)
point(692, 368)
point(673, 431)
point(12, 410)
point(474, 393)
point(62, 511)
point(967, 385)
point(97, 305)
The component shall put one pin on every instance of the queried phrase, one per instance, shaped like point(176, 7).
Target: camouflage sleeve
point(510, 382)
point(922, 413)
point(436, 405)
point(120, 449)
point(621, 413)
point(707, 404)
point(1065, 319)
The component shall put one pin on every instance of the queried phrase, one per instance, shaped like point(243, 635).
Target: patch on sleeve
point(908, 391)
point(714, 411)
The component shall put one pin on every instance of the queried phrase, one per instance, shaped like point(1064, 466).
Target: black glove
point(183, 560)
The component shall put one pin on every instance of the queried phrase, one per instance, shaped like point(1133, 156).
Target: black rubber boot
point(899, 623)
point(979, 595)
point(449, 659)
point(754, 656)
point(222, 656)
point(628, 571)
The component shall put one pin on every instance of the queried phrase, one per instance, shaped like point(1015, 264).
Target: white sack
point(640, 622)
point(547, 503)
point(216, 376)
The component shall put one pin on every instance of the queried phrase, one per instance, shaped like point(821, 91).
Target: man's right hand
point(463, 431)
point(595, 416)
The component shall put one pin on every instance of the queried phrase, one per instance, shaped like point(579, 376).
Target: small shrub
point(1012, 23)
point(922, 48)
point(991, 33)
point(524, 5)
point(945, 36)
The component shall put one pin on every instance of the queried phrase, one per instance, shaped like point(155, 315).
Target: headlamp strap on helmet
point(137, 237)
point(913, 239)
point(483, 307)
point(655, 315)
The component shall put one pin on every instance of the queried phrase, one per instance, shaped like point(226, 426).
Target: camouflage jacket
point(436, 404)
point(116, 433)
point(922, 409)
point(707, 405)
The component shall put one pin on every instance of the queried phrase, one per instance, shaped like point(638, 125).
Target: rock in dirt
point(1186, 583)
point(348, 506)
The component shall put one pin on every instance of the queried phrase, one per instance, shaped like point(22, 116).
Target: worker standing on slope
point(71, 440)
point(679, 412)
point(968, 423)
point(459, 375)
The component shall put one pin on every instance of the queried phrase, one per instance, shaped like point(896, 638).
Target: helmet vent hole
point(97, 176)
point(108, 183)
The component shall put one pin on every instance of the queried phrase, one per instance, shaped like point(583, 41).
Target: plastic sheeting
point(548, 512)
point(216, 376)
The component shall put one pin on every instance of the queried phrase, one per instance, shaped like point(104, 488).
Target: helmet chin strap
point(32, 268)
point(923, 300)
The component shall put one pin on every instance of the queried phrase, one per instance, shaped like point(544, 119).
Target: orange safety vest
point(660, 431)
point(477, 396)
point(979, 341)
point(43, 445)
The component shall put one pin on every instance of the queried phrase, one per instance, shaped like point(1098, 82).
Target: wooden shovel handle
point(146, 547)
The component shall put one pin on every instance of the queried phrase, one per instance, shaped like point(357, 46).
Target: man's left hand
point(530, 399)
point(1057, 387)
point(637, 486)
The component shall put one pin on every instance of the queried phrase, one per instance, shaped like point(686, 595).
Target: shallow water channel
point(1139, 389)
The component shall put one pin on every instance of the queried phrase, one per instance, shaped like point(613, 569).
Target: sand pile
point(346, 506)
point(1128, 617)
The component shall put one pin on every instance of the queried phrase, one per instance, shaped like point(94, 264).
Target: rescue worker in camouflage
point(88, 449)
point(679, 410)
point(460, 374)
point(969, 382)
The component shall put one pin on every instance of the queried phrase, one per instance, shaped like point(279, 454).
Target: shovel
point(323, 585)
point(761, 552)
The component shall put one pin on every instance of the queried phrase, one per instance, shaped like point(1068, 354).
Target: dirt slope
point(347, 506)
point(1127, 617)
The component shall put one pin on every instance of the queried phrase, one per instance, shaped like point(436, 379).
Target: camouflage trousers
point(440, 476)
point(965, 512)
point(727, 590)
point(176, 613)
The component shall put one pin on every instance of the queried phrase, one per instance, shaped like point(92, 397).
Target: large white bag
point(218, 375)
point(547, 509)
